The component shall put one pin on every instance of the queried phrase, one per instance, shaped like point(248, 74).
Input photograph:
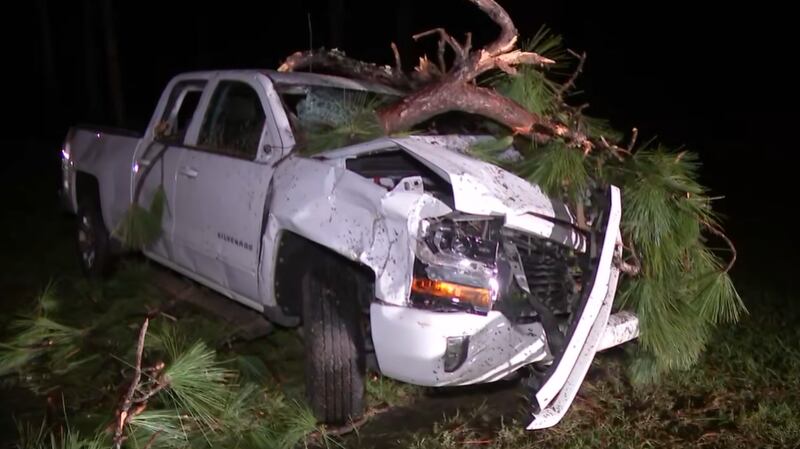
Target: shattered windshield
point(324, 117)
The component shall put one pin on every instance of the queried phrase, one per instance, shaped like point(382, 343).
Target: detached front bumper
point(411, 345)
point(419, 346)
point(414, 344)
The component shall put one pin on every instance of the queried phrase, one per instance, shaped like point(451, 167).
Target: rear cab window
point(181, 106)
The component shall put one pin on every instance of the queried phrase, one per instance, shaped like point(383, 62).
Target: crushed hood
point(482, 188)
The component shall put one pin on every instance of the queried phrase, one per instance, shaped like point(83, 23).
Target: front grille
point(551, 270)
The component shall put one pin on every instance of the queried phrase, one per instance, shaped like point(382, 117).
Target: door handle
point(144, 162)
point(189, 172)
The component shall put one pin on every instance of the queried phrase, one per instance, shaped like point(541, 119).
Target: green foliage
point(204, 402)
point(164, 426)
point(683, 290)
point(38, 337)
point(558, 170)
point(384, 391)
point(354, 120)
point(598, 127)
point(531, 89)
point(197, 384)
point(141, 227)
point(40, 437)
point(490, 149)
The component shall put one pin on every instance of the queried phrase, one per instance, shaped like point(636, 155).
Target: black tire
point(334, 345)
point(93, 240)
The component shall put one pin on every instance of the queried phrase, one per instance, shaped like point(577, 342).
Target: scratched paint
point(216, 226)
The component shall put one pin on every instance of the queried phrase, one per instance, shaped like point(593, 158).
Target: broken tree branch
point(615, 150)
point(437, 90)
point(714, 229)
point(570, 83)
point(124, 414)
point(145, 397)
point(631, 269)
point(151, 440)
point(634, 136)
point(398, 64)
point(440, 56)
point(444, 38)
point(339, 63)
point(508, 32)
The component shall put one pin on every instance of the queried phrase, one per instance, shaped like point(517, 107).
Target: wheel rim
point(86, 240)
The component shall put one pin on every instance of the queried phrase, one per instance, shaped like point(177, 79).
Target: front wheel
point(93, 240)
point(334, 344)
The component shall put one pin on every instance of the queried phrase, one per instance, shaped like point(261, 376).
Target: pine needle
point(197, 384)
point(141, 227)
point(530, 88)
point(166, 425)
point(297, 422)
point(36, 336)
point(40, 437)
point(558, 170)
point(491, 150)
point(340, 121)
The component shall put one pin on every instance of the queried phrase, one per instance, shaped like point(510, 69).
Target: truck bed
point(107, 154)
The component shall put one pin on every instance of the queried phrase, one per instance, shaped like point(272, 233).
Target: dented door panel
point(218, 229)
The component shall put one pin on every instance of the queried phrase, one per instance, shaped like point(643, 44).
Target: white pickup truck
point(443, 269)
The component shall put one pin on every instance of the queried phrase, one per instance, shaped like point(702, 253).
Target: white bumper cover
point(412, 344)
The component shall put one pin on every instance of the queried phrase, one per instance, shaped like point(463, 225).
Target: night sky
point(714, 79)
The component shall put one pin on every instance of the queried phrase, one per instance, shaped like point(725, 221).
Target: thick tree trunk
point(336, 62)
point(435, 89)
point(449, 96)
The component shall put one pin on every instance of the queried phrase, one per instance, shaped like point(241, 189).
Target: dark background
point(714, 79)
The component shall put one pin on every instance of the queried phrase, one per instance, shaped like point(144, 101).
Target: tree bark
point(436, 89)
point(336, 62)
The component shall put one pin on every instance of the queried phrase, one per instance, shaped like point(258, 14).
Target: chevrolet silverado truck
point(442, 269)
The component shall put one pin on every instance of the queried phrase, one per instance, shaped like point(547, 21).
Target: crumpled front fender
point(352, 216)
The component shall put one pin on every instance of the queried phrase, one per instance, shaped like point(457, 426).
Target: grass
point(383, 391)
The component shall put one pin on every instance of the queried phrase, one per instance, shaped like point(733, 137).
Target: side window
point(183, 101)
point(234, 121)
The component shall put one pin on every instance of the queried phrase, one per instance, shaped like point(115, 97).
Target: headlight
point(457, 263)
point(463, 238)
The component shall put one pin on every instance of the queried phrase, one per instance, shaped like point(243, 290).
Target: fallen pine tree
point(676, 284)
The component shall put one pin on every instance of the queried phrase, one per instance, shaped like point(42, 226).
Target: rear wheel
point(334, 343)
point(93, 240)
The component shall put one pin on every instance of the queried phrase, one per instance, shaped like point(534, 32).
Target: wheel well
point(295, 257)
point(86, 187)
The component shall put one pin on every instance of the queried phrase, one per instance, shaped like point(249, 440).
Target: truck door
point(222, 187)
point(156, 160)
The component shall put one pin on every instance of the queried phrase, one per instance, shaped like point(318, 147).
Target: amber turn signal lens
point(479, 297)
